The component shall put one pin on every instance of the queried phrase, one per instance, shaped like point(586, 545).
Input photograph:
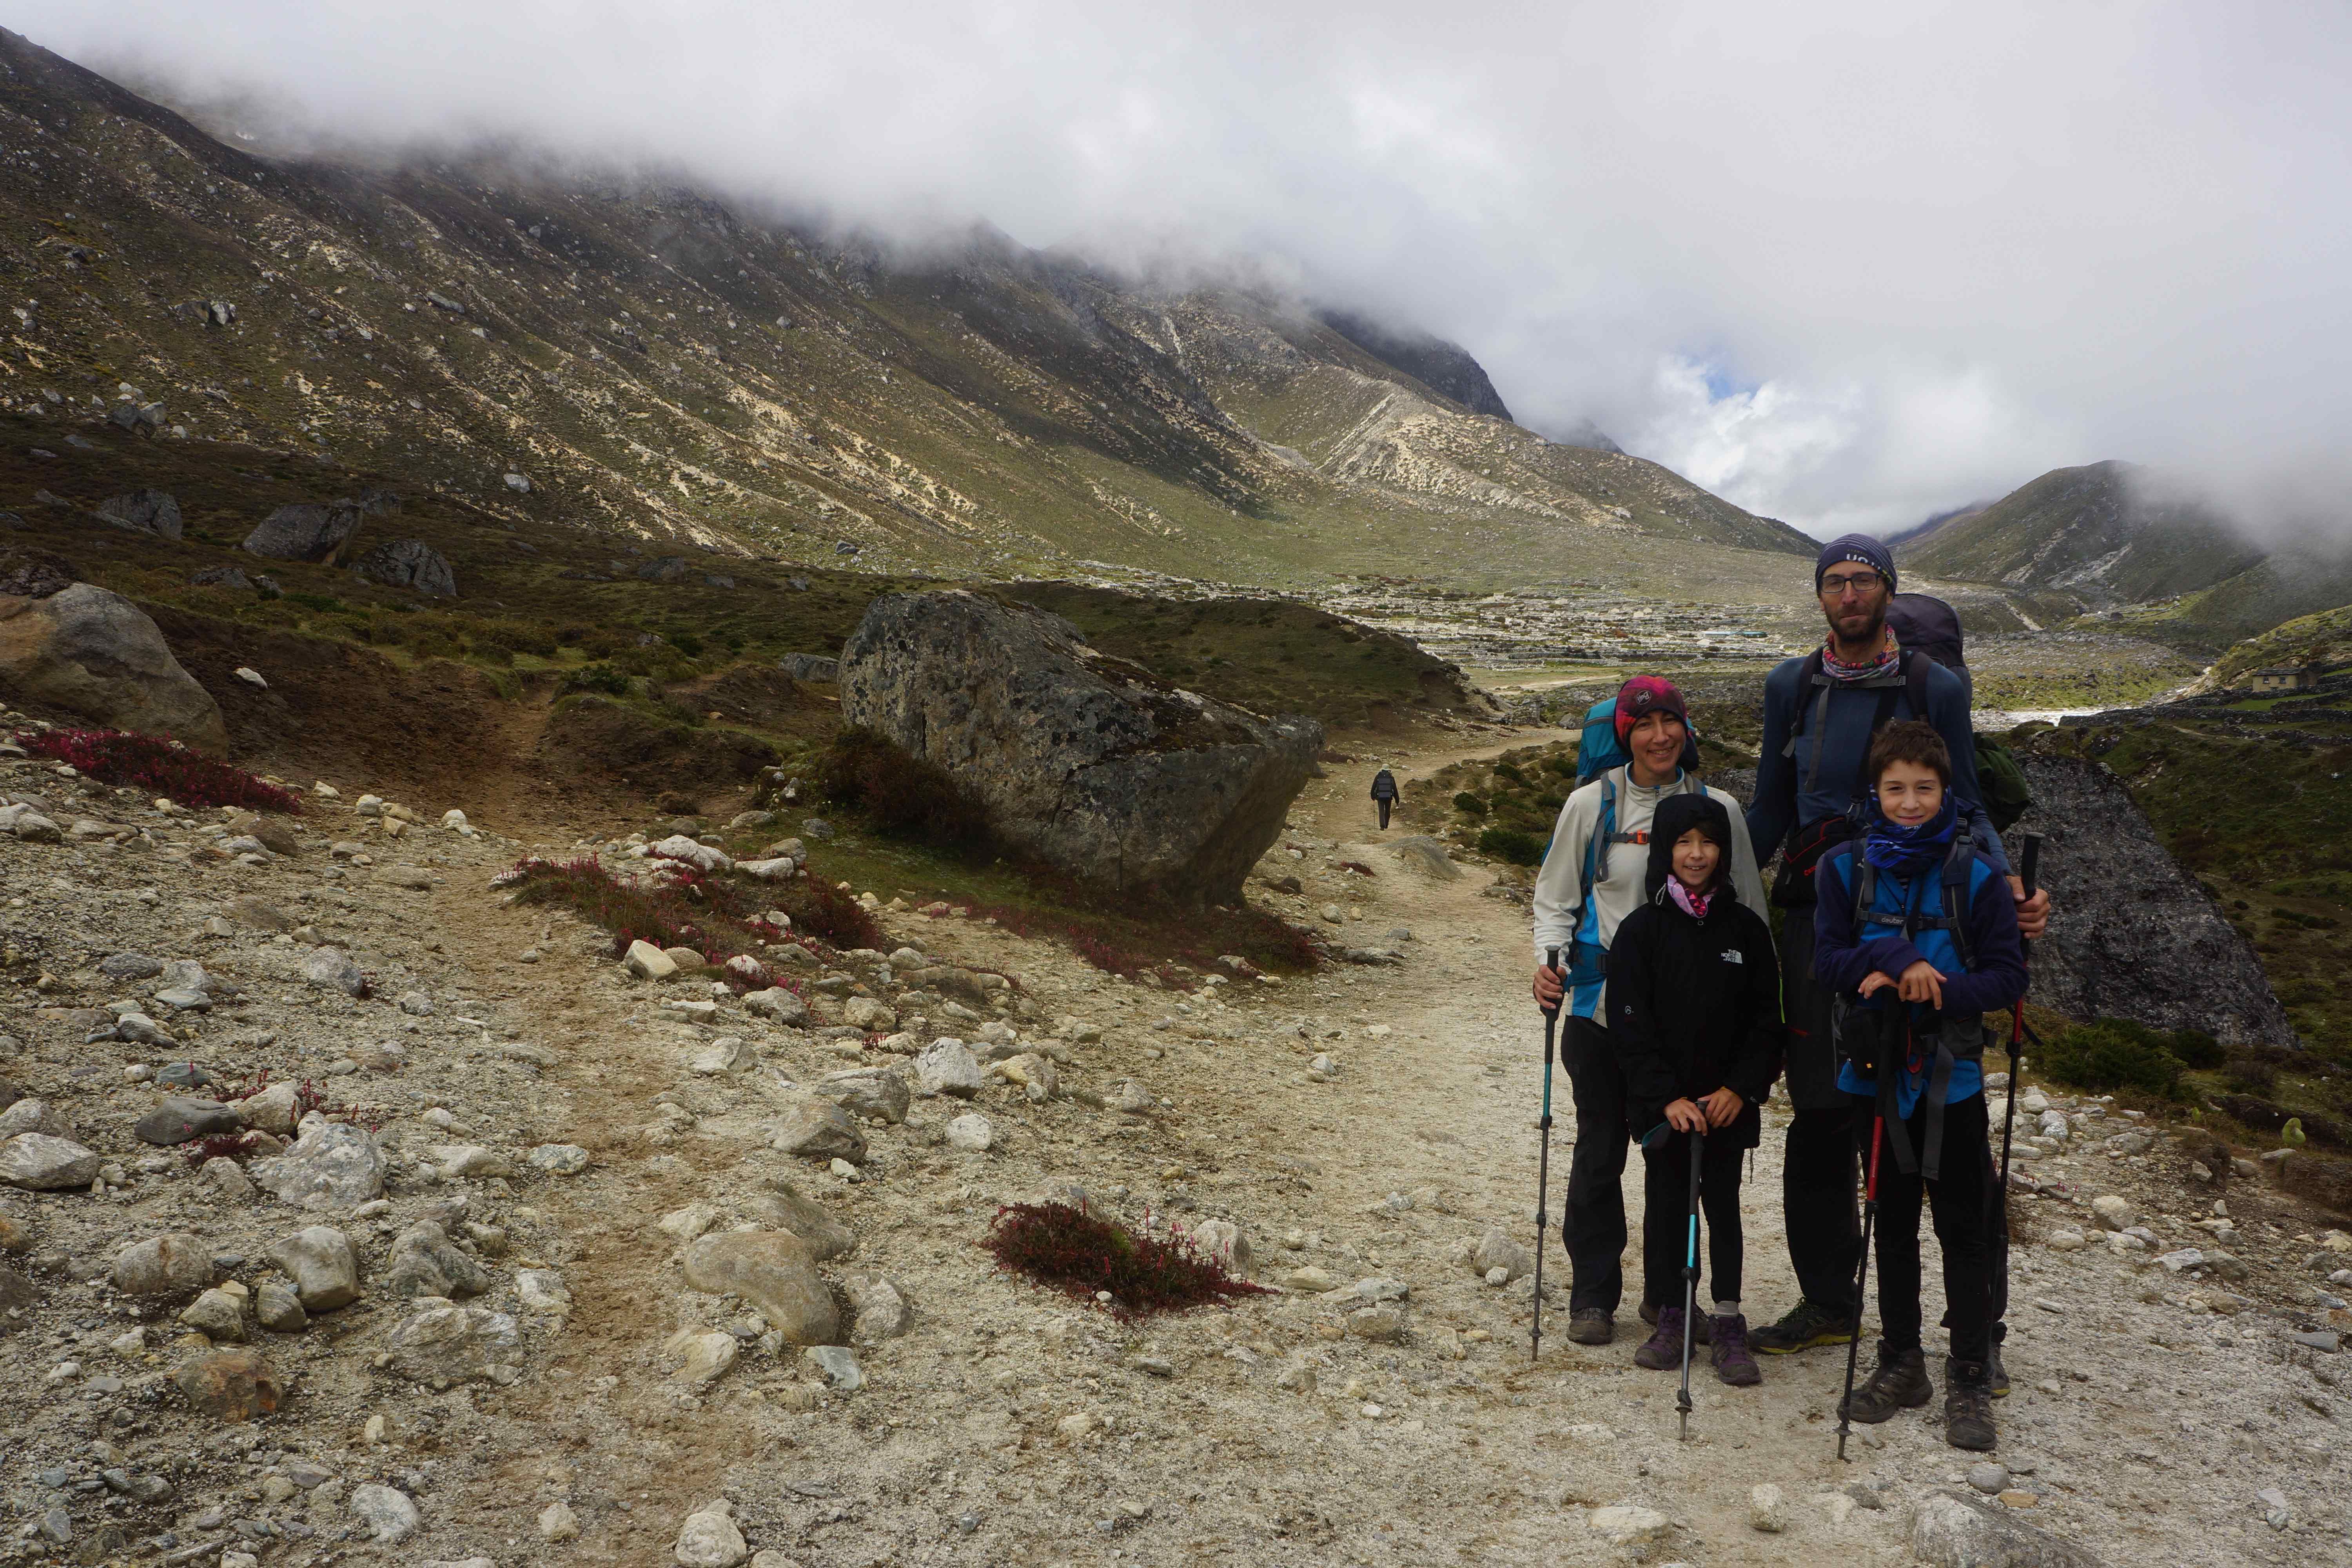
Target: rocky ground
point(456, 1319)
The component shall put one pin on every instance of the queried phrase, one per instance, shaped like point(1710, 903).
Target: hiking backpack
point(1859, 1034)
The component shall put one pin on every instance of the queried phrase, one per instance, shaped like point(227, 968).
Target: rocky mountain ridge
point(654, 361)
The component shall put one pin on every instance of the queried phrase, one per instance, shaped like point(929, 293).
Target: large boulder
point(306, 531)
point(144, 512)
point(2132, 935)
point(96, 654)
point(1090, 763)
point(409, 563)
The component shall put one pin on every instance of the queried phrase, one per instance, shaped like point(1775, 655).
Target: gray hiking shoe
point(1968, 1406)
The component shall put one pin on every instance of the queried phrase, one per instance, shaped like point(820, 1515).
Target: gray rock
point(787, 1208)
point(95, 653)
point(219, 1314)
point(305, 531)
point(947, 1066)
point(1090, 763)
point(222, 577)
point(810, 666)
point(444, 1345)
point(773, 1271)
point(777, 1005)
point(177, 1264)
point(867, 1092)
point(33, 1115)
point(426, 1262)
point(390, 1514)
point(130, 966)
point(881, 1308)
point(1951, 1533)
point(323, 1265)
point(558, 1159)
point(1497, 1249)
point(278, 1309)
point(2141, 937)
point(409, 563)
point(183, 1119)
point(1988, 1479)
point(416, 1003)
point(333, 1165)
point(144, 512)
point(971, 1132)
point(1426, 854)
point(710, 1539)
point(819, 1130)
point(225, 1178)
point(328, 968)
point(40, 1163)
point(842, 1373)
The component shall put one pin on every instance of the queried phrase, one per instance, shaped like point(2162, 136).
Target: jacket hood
point(1677, 814)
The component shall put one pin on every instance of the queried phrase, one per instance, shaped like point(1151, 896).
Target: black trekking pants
point(1594, 1225)
point(1384, 815)
point(1818, 1171)
point(1665, 1236)
point(1958, 1201)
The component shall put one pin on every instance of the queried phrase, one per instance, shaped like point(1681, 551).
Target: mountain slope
point(2096, 531)
point(656, 362)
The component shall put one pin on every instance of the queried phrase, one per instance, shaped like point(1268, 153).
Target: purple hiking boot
point(1662, 1351)
point(1735, 1363)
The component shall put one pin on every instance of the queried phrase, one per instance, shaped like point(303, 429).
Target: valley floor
point(1008, 1424)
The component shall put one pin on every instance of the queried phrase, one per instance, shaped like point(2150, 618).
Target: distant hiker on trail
point(1594, 874)
point(1919, 939)
point(1820, 713)
point(1695, 1012)
point(1384, 795)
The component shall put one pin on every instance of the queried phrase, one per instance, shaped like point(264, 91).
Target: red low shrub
point(1079, 1254)
point(159, 765)
point(716, 914)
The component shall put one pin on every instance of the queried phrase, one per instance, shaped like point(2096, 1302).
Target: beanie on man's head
point(1647, 694)
point(1858, 548)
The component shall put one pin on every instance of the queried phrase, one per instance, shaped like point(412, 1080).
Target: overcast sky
point(1847, 265)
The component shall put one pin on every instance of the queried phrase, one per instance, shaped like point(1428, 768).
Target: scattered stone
point(558, 1522)
point(819, 1130)
point(842, 1373)
point(172, 1265)
point(328, 969)
point(558, 1159)
point(387, 1510)
point(331, 1167)
point(322, 1264)
point(278, 1309)
point(409, 563)
point(1767, 1509)
point(93, 653)
point(219, 1314)
point(1623, 1524)
point(786, 1209)
point(225, 1178)
point(2113, 1213)
point(709, 1539)
point(1950, 1531)
point(778, 1006)
point(183, 1119)
point(644, 961)
point(1223, 1240)
point(947, 1066)
point(971, 1131)
point(38, 1163)
point(881, 1308)
point(1988, 1479)
point(448, 1345)
point(775, 1272)
point(426, 1262)
point(867, 1093)
point(1383, 1325)
point(707, 1356)
point(274, 1110)
point(230, 1385)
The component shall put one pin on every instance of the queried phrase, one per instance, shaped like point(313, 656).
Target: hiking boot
point(1996, 1374)
point(1733, 1363)
point(1699, 1329)
point(1899, 1384)
point(1591, 1326)
point(1662, 1351)
point(1968, 1406)
point(1805, 1326)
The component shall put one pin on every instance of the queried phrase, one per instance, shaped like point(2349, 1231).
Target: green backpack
point(2007, 795)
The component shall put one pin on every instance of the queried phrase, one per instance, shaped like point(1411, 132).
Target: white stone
point(709, 1539)
point(1767, 1508)
point(1623, 1525)
point(558, 1522)
point(971, 1131)
point(644, 961)
point(2113, 1213)
point(389, 1512)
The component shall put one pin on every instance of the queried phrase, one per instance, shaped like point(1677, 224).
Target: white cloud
point(1947, 246)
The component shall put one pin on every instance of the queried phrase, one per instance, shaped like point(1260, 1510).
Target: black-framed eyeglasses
point(1852, 583)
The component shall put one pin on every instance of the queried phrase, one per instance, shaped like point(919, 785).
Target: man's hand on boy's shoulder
point(2033, 913)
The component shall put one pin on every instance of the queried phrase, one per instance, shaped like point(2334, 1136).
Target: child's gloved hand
point(1923, 981)
point(1685, 1117)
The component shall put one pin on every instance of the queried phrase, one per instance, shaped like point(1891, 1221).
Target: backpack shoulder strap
point(1605, 831)
point(1808, 674)
point(1959, 868)
point(1916, 666)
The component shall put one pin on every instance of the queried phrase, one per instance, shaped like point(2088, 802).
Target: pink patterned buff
point(1694, 904)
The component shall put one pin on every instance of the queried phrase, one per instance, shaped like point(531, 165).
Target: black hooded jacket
point(1694, 1004)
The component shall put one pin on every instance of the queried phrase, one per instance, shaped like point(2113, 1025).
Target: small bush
point(906, 796)
point(1510, 843)
point(1469, 805)
point(601, 677)
point(2111, 1054)
point(716, 915)
point(2196, 1049)
point(2250, 1077)
point(1080, 1254)
point(1511, 771)
point(159, 765)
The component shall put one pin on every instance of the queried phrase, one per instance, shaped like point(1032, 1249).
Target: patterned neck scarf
point(1907, 851)
point(1888, 659)
point(1693, 904)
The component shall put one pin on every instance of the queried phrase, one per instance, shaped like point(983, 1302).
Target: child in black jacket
point(1695, 1012)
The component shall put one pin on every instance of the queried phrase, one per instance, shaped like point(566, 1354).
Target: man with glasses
point(1820, 713)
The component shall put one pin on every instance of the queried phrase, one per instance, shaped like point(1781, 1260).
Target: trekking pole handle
point(2029, 863)
point(1551, 962)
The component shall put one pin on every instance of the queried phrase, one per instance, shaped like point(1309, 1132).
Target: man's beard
point(1873, 634)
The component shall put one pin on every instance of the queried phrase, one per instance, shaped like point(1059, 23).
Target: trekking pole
point(1690, 1284)
point(1543, 1163)
point(1861, 1275)
point(2031, 863)
point(1889, 1043)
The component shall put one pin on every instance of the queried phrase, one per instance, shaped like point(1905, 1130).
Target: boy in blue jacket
point(1916, 934)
